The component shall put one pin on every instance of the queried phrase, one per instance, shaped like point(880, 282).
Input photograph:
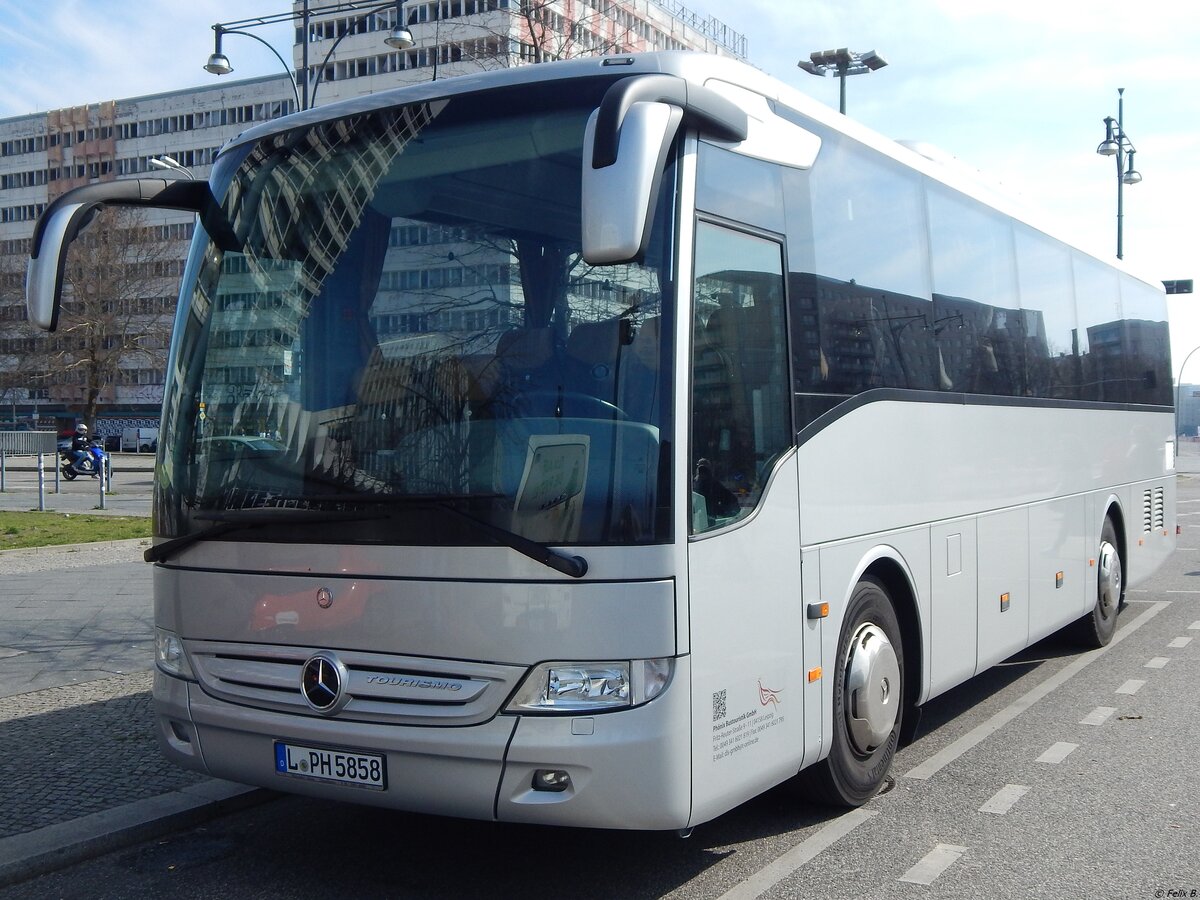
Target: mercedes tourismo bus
point(602, 443)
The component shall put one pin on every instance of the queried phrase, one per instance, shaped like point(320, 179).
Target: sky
point(1014, 88)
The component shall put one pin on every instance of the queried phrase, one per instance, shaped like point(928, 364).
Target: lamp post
point(841, 63)
point(218, 63)
point(1117, 143)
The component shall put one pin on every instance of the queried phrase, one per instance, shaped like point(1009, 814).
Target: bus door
point(744, 537)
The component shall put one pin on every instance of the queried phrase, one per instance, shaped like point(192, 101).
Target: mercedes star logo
point(322, 681)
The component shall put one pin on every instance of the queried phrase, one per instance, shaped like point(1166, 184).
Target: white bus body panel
point(993, 563)
point(911, 462)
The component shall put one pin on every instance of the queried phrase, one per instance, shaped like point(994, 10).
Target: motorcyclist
point(79, 446)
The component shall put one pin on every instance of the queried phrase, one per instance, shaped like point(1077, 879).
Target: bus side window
point(740, 401)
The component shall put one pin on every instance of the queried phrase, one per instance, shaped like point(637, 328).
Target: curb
point(48, 548)
point(55, 847)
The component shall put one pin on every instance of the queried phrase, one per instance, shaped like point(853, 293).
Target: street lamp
point(841, 63)
point(171, 164)
point(218, 63)
point(1117, 143)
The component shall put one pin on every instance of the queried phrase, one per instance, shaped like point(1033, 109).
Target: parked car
point(236, 446)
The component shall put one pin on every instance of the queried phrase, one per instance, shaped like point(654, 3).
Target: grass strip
point(42, 529)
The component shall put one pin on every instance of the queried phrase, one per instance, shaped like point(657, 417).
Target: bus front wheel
point(1096, 629)
point(868, 701)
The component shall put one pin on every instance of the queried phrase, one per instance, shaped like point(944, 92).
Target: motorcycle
point(94, 461)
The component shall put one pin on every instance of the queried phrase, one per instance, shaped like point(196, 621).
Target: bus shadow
point(72, 761)
point(989, 688)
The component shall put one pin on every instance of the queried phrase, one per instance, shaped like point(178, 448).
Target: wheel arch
point(1114, 512)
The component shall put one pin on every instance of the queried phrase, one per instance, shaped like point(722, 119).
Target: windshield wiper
point(240, 519)
point(575, 566)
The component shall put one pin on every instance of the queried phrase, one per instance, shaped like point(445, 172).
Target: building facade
point(339, 52)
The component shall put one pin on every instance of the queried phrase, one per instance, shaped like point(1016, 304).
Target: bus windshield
point(393, 330)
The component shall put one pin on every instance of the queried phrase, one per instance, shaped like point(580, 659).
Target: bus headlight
point(589, 687)
point(169, 655)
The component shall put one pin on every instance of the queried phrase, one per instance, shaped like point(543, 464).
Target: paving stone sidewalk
point(80, 749)
point(80, 769)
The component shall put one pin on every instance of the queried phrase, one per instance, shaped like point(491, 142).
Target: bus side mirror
point(58, 226)
point(69, 214)
point(619, 198)
point(625, 147)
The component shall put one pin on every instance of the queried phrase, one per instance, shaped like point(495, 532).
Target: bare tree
point(117, 308)
point(18, 339)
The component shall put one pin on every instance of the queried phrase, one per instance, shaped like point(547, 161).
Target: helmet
point(81, 429)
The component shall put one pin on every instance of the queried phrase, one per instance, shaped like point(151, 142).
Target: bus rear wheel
point(868, 701)
point(1096, 629)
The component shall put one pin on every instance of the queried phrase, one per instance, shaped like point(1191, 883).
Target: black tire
point(870, 669)
point(68, 473)
point(1096, 629)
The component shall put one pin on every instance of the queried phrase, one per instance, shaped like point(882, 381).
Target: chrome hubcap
point(1109, 579)
point(872, 696)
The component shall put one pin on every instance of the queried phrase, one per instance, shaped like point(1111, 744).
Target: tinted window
point(976, 324)
point(1048, 328)
point(740, 398)
point(1098, 306)
point(739, 188)
point(869, 298)
point(1146, 342)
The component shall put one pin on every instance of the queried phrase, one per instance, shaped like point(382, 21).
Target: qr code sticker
point(718, 706)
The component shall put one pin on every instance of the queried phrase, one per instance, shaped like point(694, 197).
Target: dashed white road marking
point(1179, 642)
point(976, 735)
point(1057, 753)
point(1132, 686)
point(933, 864)
point(1195, 626)
point(1004, 799)
point(1098, 716)
point(1157, 663)
point(770, 875)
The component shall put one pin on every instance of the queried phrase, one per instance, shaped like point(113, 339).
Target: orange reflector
point(1092, 563)
point(818, 610)
point(814, 674)
point(1058, 579)
point(1141, 541)
point(1003, 602)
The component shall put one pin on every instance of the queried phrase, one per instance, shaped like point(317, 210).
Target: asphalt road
point(1056, 774)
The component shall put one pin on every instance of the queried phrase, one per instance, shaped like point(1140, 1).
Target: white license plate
point(324, 764)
